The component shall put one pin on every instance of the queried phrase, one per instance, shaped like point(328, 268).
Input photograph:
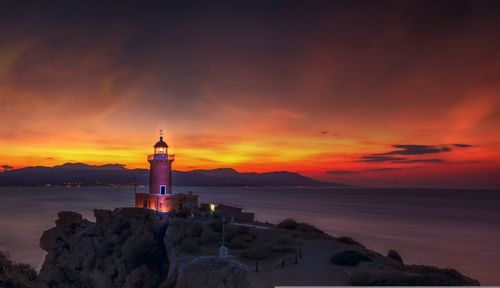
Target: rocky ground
point(133, 247)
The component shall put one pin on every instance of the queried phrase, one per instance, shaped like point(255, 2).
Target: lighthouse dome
point(161, 143)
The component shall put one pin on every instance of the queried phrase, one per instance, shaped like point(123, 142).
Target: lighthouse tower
point(160, 197)
point(160, 175)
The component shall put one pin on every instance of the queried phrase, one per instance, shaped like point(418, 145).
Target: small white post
point(223, 251)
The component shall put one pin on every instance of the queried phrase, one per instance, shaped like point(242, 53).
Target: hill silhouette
point(117, 174)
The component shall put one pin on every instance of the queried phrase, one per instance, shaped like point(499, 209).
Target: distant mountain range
point(116, 174)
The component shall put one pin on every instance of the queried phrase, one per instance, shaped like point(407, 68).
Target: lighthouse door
point(163, 189)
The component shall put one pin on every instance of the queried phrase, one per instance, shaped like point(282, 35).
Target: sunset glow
point(312, 98)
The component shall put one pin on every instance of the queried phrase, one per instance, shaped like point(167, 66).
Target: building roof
point(161, 143)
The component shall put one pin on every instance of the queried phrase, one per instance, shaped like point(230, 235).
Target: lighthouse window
point(160, 151)
point(163, 189)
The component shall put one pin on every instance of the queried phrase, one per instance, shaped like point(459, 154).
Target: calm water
point(445, 228)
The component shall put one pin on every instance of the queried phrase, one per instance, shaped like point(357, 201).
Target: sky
point(371, 93)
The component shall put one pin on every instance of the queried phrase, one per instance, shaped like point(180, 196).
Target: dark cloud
point(342, 172)
point(349, 172)
point(408, 150)
point(330, 133)
point(460, 145)
point(375, 158)
point(434, 160)
point(417, 149)
point(384, 169)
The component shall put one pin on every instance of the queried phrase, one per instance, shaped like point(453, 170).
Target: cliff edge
point(134, 247)
point(128, 247)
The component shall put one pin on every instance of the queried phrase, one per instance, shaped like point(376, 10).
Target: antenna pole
point(223, 231)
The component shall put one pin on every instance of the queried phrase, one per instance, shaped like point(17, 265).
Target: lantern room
point(161, 147)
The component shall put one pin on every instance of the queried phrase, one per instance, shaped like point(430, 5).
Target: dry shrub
point(304, 227)
point(350, 241)
point(16, 275)
point(349, 258)
point(393, 254)
point(289, 224)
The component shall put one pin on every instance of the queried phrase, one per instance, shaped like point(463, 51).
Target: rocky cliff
point(129, 248)
point(133, 247)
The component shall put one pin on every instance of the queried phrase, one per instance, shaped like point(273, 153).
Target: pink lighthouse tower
point(160, 197)
point(160, 175)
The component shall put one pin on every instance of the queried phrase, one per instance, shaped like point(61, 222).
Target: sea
point(444, 228)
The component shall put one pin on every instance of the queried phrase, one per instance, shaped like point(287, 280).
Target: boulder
point(67, 224)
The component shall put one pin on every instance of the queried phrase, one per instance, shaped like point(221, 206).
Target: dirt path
point(313, 269)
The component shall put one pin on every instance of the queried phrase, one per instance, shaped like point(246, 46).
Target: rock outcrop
point(130, 247)
point(139, 248)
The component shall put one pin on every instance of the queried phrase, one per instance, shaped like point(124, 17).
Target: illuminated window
point(161, 150)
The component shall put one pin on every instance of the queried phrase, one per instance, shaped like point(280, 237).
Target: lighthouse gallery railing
point(161, 157)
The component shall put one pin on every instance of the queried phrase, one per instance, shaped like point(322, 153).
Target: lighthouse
point(161, 197)
point(160, 169)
